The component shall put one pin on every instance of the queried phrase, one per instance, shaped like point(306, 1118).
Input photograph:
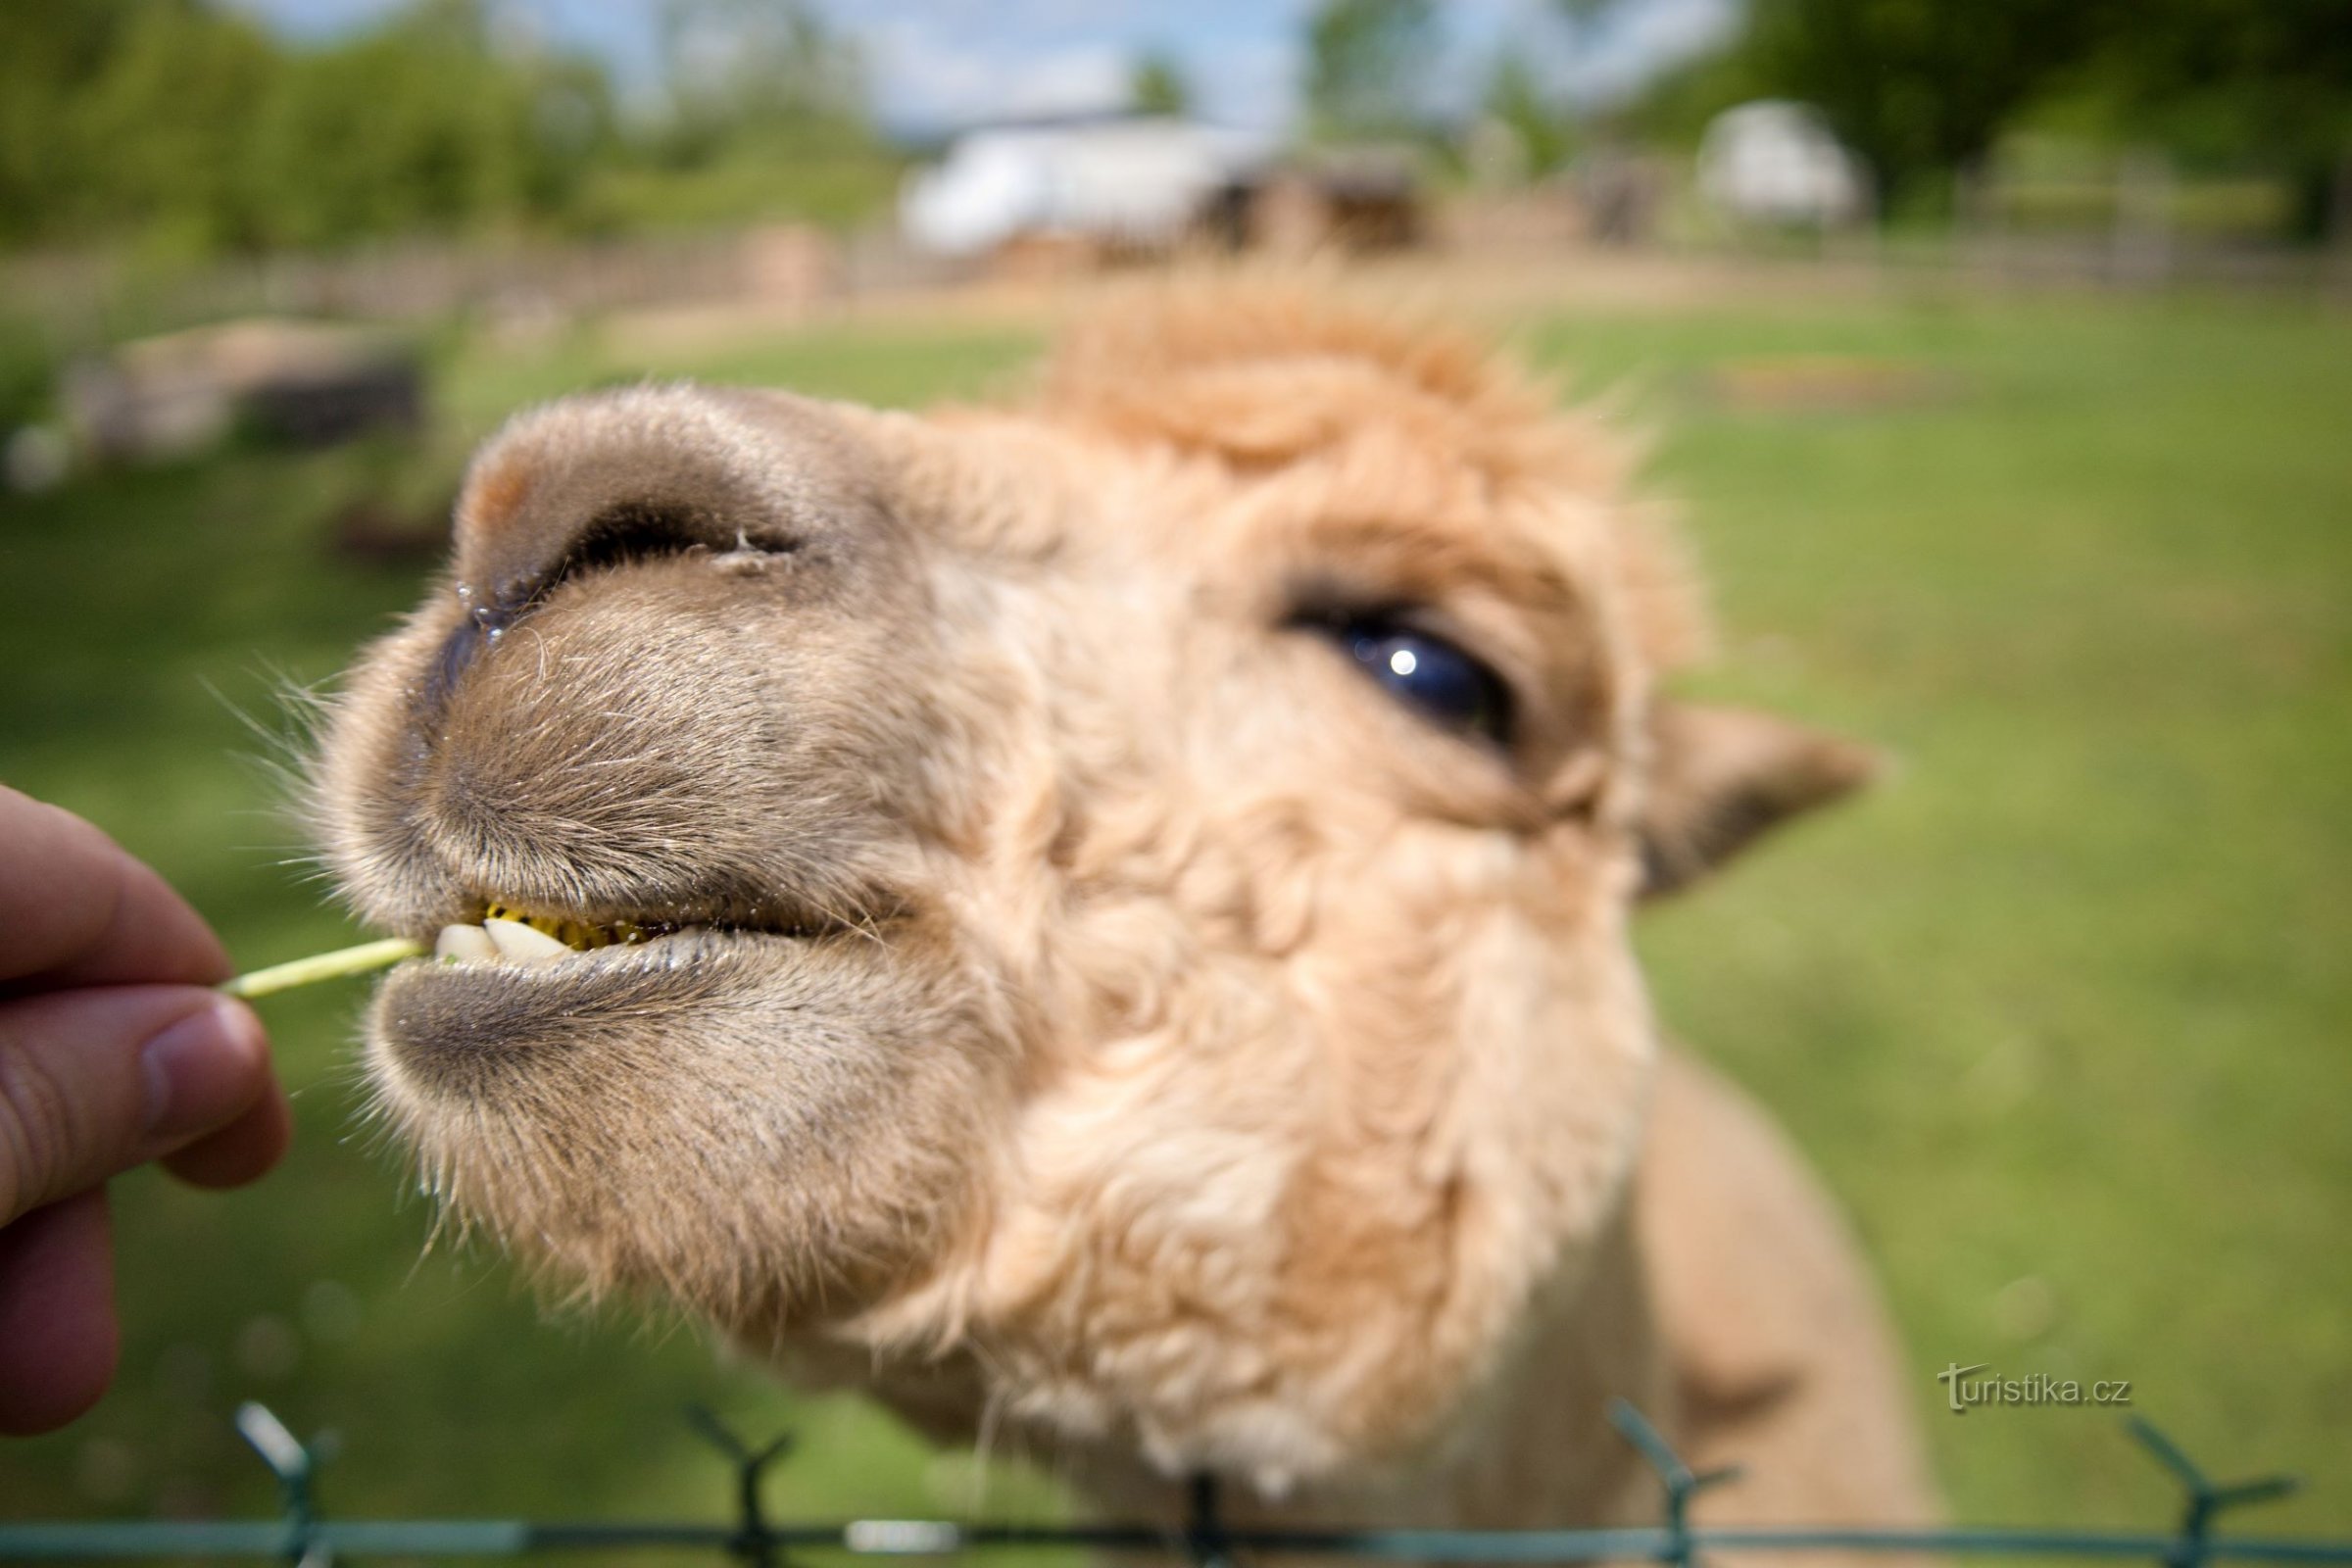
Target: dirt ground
point(1502, 286)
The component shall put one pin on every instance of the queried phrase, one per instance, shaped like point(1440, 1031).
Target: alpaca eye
point(1430, 675)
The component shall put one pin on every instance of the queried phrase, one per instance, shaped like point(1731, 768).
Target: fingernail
point(201, 1071)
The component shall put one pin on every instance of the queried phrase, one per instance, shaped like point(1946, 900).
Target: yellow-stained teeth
point(575, 934)
point(517, 936)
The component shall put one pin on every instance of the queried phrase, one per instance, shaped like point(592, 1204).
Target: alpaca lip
point(502, 1000)
point(477, 1030)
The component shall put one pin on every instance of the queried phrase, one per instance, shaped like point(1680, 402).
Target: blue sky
point(942, 63)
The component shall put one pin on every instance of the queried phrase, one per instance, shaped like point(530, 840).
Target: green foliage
point(161, 129)
point(421, 126)
point(1921, 88)
point(1674, 110)
point(190, 131)
point(1367, 62)
point(45, 51)
point(2231, 85)
point(765, 119)
point(1515, 99)
point(1156, 85)
point(763, 72)
point(27, 371)
point(1917, 87)
point(182, 126)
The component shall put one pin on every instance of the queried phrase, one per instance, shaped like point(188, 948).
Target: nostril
point(458, 650)
point(634, 533)
point(615, 537)
point(618, 537)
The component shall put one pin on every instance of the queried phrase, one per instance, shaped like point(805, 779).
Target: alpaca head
point(1133, 884)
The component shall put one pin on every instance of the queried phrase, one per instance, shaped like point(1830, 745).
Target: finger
point(76, 910)
point(92, 1082)
point(244, 1150)
point(59, 1339)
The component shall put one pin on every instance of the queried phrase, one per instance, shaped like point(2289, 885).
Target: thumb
point(95, 1081)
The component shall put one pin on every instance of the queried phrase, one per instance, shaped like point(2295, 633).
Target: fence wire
point(302, 1536)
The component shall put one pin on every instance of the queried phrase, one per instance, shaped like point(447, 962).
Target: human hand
point(113, 1050)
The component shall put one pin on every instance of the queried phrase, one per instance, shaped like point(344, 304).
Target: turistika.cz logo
point(1964, 1391)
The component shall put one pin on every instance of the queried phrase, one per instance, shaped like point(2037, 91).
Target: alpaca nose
point(612, 481)
point(618, 478)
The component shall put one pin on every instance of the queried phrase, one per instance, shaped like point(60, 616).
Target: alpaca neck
point(1535, 1450)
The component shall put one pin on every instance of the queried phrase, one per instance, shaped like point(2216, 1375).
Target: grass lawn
point(2061, 1011)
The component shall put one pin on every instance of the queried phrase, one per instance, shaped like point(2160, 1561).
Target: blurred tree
point(52, 180)
point(766, 117)
point(166, 129)
point(184, 126)
point(1918, 87)
point(1158, 86)
point(1923, 87)
point(1676, 107)
point(2236, 82)
point(187, 128)
point(767, 70)
point(1515, 99)
point(416, 126)
point(1368, 61)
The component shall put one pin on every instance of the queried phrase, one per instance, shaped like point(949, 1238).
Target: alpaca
point(1104, 920)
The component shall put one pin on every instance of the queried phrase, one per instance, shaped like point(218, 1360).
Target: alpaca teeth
point(520, 944)
point(463, 942)
point(512, 935)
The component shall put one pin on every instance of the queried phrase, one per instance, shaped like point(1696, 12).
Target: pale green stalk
point(323, 966)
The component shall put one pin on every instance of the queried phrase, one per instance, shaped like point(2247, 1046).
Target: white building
point(1778, 163)
point(1130, 181)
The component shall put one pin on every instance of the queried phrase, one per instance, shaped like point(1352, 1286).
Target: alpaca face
point(1125, 894)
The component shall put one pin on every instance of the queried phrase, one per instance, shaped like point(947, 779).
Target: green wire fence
point(301, 1535)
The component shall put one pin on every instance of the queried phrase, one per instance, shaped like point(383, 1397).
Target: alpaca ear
point(1720, 777)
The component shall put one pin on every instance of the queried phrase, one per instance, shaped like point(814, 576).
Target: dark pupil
point(1444, 683)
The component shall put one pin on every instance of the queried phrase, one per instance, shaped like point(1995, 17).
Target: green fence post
point(754, 1541)
point(1682, 1483)
point(1204, 1537)
point(2192, 1542)
point(295, 1464)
